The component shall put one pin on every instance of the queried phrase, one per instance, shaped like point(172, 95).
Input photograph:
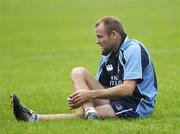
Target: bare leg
point(78, 114)
point(24, 113)
point(79, 81)
point(79, 77)
point(82, 79)
point(57, 116)
point(105, 111)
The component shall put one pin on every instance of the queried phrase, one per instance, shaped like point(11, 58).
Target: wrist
point(92, 94)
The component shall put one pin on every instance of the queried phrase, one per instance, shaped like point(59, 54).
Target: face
point(105, 41)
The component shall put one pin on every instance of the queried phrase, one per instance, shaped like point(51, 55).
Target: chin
point(105, 52)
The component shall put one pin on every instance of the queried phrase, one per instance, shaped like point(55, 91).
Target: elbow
point(129, 87)
point(130, 92)
point(127, 92)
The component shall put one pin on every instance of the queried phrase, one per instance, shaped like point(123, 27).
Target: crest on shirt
point(109, 67)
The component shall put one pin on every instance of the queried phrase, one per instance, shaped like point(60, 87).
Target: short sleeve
point(132, 65)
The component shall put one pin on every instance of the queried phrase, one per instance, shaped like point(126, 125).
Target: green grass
point(42, 40)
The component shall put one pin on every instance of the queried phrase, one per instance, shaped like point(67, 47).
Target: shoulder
point(130, 48)
point(131, 45)
point(130, 51)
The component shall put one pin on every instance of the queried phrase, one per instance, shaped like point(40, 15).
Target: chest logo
point(109, 67)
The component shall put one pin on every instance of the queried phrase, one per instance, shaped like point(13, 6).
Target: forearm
point(122, 90)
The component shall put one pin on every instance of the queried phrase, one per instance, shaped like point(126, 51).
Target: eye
point(99, 36)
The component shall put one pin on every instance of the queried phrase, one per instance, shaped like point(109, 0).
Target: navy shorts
point(124, 109)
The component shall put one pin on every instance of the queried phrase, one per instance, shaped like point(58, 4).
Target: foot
point(21, 112)
point(80, 113)
point(92, 116)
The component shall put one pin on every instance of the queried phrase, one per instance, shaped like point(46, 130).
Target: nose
point(98, 42)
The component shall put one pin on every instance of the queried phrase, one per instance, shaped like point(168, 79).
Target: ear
point(114, 34)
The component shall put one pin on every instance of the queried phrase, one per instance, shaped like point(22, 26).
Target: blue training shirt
point(131, 62)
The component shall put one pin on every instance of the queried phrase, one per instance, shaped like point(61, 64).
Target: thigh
point(99, 102)
point(106, 111)
point(92, 83)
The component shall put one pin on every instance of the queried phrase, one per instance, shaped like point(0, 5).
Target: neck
point(117, 44)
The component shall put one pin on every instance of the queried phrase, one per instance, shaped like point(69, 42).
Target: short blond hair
point(111, 23)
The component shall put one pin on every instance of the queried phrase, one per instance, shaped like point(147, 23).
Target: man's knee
point(78, 72)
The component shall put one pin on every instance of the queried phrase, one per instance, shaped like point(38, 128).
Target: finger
point(74, 94)
point(73, 106)
point(77, 99)
point(70, 96)
point(70, 100)
point(71, 103)
point(80, 102)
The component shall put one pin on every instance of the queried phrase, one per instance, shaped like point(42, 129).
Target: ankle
point(90, 110)
point(79, 113)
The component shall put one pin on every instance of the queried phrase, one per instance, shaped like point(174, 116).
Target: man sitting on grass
point(125, 84)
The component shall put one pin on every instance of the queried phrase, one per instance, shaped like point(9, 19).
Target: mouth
point(101, 47)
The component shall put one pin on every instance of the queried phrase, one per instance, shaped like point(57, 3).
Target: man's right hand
point(71, 103)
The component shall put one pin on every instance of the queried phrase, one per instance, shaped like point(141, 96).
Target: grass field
point(42, 40)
